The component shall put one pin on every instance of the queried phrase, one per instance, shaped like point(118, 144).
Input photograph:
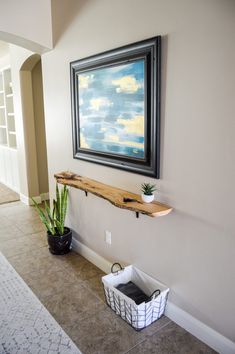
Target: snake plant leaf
point(43, 218)
point(57, 210)
point(61, 204)
point(64, 203)
point(54, 209)
point(50, 216)
point(58, 201)
point(59, 227)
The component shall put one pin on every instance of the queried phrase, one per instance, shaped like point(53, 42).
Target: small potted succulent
point(59, 237)
point(147, 192)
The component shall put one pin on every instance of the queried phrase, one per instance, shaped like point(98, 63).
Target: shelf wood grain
point(113, 195)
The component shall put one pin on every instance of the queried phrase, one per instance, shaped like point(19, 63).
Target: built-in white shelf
point(7, 117)
point(9, 173)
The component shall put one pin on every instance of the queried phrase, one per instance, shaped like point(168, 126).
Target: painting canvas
point(111, 107)
point(115, 99)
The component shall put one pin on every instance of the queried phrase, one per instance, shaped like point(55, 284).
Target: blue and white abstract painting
point(111, 109)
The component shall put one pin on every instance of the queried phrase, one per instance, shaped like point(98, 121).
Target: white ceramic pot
point(147, 198)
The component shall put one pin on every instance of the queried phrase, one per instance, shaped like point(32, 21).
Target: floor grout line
point(157, 330)
point(148, 337)
point(136, 345)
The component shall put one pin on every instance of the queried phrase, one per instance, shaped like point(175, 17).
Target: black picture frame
point(148, 51)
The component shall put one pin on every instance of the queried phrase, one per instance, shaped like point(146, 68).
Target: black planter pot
point(60, 244)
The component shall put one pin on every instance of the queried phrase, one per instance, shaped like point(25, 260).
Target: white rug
point(26, 327)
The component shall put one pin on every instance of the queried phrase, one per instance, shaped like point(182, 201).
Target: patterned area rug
point(7, 195)
point(26, 327)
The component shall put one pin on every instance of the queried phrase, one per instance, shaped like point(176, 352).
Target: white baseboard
point(26, 200)
point(92, 256)
point(44, 196)
point(197, 328)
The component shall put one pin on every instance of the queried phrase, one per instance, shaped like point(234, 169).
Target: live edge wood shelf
point(114, 195)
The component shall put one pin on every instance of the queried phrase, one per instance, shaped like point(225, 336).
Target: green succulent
point(148, 188)
point(54, 219)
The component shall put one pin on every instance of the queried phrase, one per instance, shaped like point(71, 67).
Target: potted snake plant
point(59, 237)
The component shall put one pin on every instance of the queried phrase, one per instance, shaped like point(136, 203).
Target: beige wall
point(39, 125)
point(193, 249)
point(29, 132)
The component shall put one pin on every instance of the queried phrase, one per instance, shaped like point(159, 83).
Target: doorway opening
point(31, 85)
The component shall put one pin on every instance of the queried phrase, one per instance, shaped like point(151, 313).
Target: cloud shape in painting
point(127, 84)
point(83, 143)
point(116, 139)
point(97, 103)
point(84, 81)
point(111, 137)
point(134, 125)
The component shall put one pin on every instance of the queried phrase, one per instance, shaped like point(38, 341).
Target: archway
point(34, 127)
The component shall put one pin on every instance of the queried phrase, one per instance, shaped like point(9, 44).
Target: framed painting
point(116, 107)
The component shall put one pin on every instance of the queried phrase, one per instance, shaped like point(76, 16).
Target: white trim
point(92, 256)
point(44, 196)
point(24, 199)
point(6, 67)
point(27, 200)
point(197, 328)
point(203, 332)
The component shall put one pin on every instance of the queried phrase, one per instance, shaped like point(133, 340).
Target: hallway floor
point(7, 195)
point(70, 288)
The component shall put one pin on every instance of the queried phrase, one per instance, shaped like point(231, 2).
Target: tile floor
point(7, 195)
point(70, 287)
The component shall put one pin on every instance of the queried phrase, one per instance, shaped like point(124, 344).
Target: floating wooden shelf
point(114, 195)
